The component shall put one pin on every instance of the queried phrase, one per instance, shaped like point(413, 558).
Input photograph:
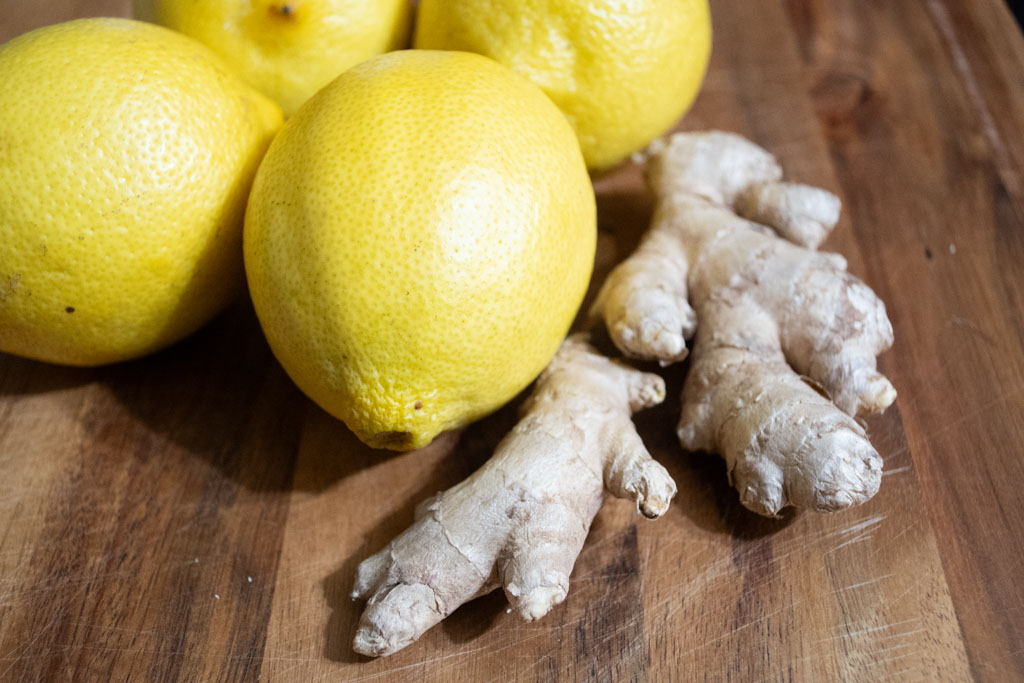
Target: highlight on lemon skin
point(287, 49)
point(622, 73)
point(123, 201)
point(418, 240)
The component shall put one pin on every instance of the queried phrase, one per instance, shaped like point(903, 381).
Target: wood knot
point(846, 103)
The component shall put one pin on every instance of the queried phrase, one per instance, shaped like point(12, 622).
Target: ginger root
point(520, 520)
point(784, 355)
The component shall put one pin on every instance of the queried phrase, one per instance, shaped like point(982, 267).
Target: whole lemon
point(126, 156)
point(418, 240)
point(622, 72)
point(288, 49)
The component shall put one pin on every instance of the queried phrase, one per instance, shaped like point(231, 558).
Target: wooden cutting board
point(192, 516)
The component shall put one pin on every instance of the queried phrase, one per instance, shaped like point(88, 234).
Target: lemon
point(126, 155)
point(418, 240)
point(288, 49)
point(622, 72)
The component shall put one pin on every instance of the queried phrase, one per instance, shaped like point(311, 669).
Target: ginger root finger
point(785, 350)
point(644, 300)
point(520, 521)
point(830, 325)
point(783, 442)
point(644, 305)
point(802, 214)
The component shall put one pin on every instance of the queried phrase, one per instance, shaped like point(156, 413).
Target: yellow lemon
point(418, 240)
point(622, 72)
point(126, 156)
point(288, 49)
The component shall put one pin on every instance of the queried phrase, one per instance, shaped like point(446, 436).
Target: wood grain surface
point(191, 516)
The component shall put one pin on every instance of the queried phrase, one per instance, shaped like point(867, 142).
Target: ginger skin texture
point(520, 520)
point(784, 354)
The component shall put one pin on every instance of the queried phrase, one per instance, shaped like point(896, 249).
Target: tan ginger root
point(767, 310)
point(521, 519)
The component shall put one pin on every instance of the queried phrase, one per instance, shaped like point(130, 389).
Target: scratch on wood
point(970, 325)
point(944, 23)
point(864, 530)
point(16, 655)
point(983, 409)
point(865, 631)
point(894, 647)
point(867, 524)
point(863, 583)
point(741, 628)
point(889, 660)
point(724, 568)
point(866, 536)
point(902, 634)
point(427, 662)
